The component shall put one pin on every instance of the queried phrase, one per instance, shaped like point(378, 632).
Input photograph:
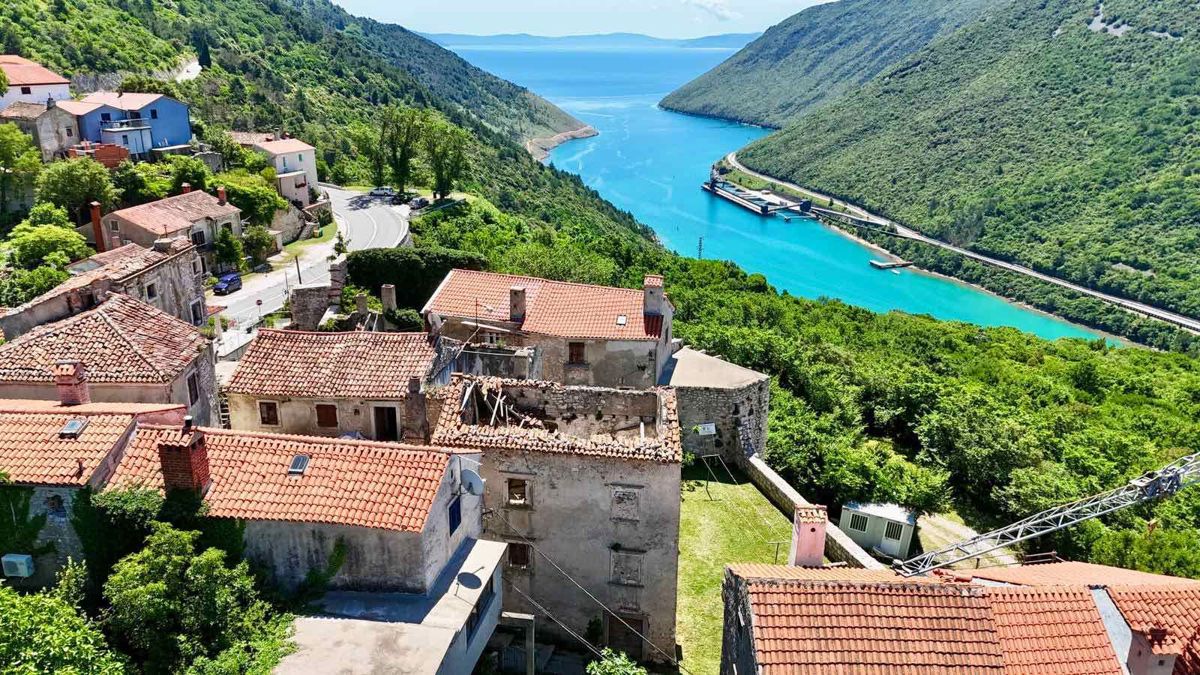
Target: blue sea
point(651, 163)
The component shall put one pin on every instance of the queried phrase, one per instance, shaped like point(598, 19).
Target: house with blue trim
point(140, 123)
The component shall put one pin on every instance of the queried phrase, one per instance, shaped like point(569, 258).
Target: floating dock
point(894, 265)
point(744, 198)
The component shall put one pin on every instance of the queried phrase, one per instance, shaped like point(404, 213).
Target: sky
point(660, 18)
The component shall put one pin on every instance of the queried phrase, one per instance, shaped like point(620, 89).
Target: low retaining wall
point(838, 546)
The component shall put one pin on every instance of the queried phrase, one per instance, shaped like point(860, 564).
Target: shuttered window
point(327, 416)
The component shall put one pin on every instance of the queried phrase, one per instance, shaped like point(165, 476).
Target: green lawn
point(734, 525)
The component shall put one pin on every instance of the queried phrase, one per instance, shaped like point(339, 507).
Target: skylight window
point(622, 319)
point(299, 464)
point(73, 428)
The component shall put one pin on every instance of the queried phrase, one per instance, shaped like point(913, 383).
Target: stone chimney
point(416, 416)
point(50, 103)
point(184, 460)
point(387, 293)
point(221, 196)
point(97, 227)
point(808, 536)
point(185, 188)
point(70, 377)
point(162, 245)
point(652, 295)
point(516, 304)
point(361, 305)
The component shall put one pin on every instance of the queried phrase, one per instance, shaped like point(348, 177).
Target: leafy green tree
point(1161, 552)
point(415, 272)
point(188, 170)
point(258, 242)
point(74, 184)
point(138, 183)
point(446, 152)
point(24, 285)
point(253, 194)
point(371, 143)
point(229, 252)
point(41, 633)
point(34, 246)
point(143, 84)
point(405, 131)
point(614, 663)
point(20, 163)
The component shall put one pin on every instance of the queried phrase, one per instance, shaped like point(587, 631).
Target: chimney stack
point(184, 460)
point(516, 304)
point(416, 416)
point(388, 295)
point(808, 536)
point(97, 228)
point(185, 188)
point(360, 304)
point(652, 295)
point(70, 377)
point(221, 197)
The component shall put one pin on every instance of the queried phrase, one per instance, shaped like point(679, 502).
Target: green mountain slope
point(818, 55)
point(1041, 134)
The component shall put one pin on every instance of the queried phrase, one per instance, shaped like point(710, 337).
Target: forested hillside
point(1042, 133)
point(818, 55)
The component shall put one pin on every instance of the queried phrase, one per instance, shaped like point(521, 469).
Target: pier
point(893, 265)
point(762, 204)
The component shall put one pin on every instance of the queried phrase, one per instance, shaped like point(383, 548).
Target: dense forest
point(818, 55)
point(1045, 133)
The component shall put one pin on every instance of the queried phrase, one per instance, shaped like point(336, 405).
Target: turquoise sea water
point(651, 163)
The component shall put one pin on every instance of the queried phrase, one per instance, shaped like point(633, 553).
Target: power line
point(588, 593)
point(555, 619)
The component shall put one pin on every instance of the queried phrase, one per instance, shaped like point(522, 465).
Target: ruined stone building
point(128, 352)
point(363, 384)
point(583, 484)
point(169, 276)
point(582, 334)
point(194, 215)
point(722, 406)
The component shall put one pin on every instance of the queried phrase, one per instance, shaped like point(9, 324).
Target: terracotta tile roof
point(1052, 630)
point(20, 405)
point(1175, 608)
point(803, 627)
point(332, 365)
point(378, 485)
point(555, 308)
point(787, 572)
point(120, 340)
point(1069, 573)
point(23, 110)
point(122, 101)
point(451, 431)
point(32, 453)
point(176, 214)
point(21, 72)
point(284, 146)
point(251, 137)
point(78, 108)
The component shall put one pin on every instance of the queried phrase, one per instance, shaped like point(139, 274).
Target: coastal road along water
point(1185, 322)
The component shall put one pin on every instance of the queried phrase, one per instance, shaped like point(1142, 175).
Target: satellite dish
point(472, 484)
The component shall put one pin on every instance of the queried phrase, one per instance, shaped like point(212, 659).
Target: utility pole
point(299, 279)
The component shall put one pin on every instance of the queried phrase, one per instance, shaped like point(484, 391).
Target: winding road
point(1185, 322)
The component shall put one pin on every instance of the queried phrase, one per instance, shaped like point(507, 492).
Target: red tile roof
point(378, 485)
point(122, 101)
point(120, 340)
point(332, 365)
point(284, 146)
point(788, 572)
point(1175, 608)
point(21, 72)
point(803, 627)
point(32, 453)
point(142, 410)
point(24, 110)
point(1052, 630)
point(176, 214)
point(78, 108)
point(1069, 573)
point(555, 308)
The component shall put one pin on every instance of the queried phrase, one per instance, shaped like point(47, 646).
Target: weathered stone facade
point(299, 416)
point(56, 503)
point(727, 396)
point(53, 129)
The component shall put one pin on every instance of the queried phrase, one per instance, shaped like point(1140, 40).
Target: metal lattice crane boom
point(1148, 487)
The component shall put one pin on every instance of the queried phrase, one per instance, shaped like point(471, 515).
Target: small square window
point(575, 353)
point(858, 522)
point(151, 291)
point(268, 413)
point(518, 492)
point(135, 115)
point(70, 133)
point(154, 113)
point(193, 384)
point(327, 415)
point(26, 90)
point(55, 507)
point(198, 237)
point(197, 313)
point(455, 513)
point(105, 117)
point(893, 531)
point(518, 555)
point(113, 225)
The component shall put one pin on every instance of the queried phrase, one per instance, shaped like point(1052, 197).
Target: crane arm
point(1147, 487)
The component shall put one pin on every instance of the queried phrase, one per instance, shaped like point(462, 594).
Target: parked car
point(228, 283)
point(419, 203)
point(383, 191)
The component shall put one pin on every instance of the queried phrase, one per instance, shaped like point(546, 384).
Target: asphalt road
point(368, 222)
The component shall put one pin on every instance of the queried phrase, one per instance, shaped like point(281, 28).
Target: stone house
point(194, 215)
point(364, 384)
point(583, 334)
point(51, 450)
point(168, 276)
point(1046, 618)
point(29, 82)
point(581, 479)
point(53, 129)
point(131, 352)
point(295, 164)
point(722, 406)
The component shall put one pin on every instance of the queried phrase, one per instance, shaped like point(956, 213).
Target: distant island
point(605, 41)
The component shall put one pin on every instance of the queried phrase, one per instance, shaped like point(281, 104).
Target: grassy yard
point(734, 525)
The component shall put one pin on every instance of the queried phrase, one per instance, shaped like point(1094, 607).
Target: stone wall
point(309, 302)
point(289, 222)
point(839, 547)
point(728, 409)
point(56, 503)
point(299, 415)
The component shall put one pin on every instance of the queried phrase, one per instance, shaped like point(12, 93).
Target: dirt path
point(938, 531)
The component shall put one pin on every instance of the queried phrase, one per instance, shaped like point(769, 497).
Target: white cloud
point(717, 8)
